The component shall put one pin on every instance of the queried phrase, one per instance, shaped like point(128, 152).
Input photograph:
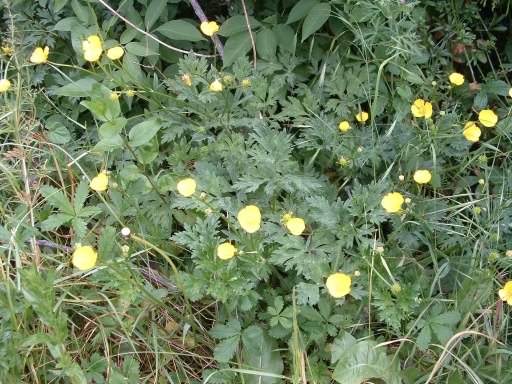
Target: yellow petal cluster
point(216, 86)
point(295, 225)
point(249, 218)
point(392, 202)
point(339, 284)
point(246, 83)
point(5, 85)
point(506, 292)
point(99, 183)
point(472, 132)
point(226, 251)
point(7, 50)
point(40, 55)
point(421, 108)
point(186, 187)
point(422, 176)
point(84, 257)
point(344, 126)
point(92, 48)
point(209, 28)
point(115, 53)
point(488, 118)
point(362, 116)
point(456, 78)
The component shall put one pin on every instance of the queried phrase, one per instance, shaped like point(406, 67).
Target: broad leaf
point(142, 133)
point(316, 17)
point(180, 30)
point(236, 46)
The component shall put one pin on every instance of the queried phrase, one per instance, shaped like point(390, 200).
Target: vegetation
point(312, 191)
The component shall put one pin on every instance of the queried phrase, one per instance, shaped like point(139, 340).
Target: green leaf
point(55, 221)
point(57, 199)
point(139, 49)
point(142, 133)
point(266, 44)
point(316, 17)
point(180, 30)
point(67, 24)
point(57, 131)
point(221, 331)
point(495, 87)
point(447, 318)
point(148, 152)
point(153, 12)
point(300, 10)
point(363, 361)
point(79, 88)
point(226, 348)
point(80, 196)
point(112, 128)
point(340, 346)
point(307, 294)
point(237, 24)
point(424, 338)
point(236, 46)
point(106, 243)
point(131, 65)
point(109, 143)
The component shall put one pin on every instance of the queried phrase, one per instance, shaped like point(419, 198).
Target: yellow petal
point(344, 126)
point(362, 116)
point(115, 53)
point(84, 257)
point(186, 187)
point(392, 202)
point(226, 251)
point(510, 92)
point(99, 183)
point(296, 226)
point(4, 85)
point(471, 132)
point(422, 176)
point(488, 118)
point(216, 86)
point(250, 218)
point(40, 55)
point(456, 78)
point(209, 28)
point(428, 110)
point(339, 284)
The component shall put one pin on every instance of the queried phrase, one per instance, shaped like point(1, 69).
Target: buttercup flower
point(295, 225)
point(7, 50)
point(216, 86)
point(471, 132)
point(226, 251)
point(114, 96)
point(92, 48)
point(115, 53)
point(40, 55)
point(506, 292)
point(186, 187)
point(422, 176)
point(421, 108)
point(209, 28)
point(488, 118)
point(338, 284)
point(187, 80)
point(344, 126)
point(246, 83)
point(99, 183)
point(362, 117)
point(4, 85)
point(249, 218)
point(456, 78)
point(84, 257)
point(392, 202)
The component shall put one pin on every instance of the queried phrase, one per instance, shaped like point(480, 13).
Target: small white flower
point(125, 231)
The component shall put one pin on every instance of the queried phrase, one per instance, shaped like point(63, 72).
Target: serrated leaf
point(340, 346)
point(424, 338)
point(226, 348)
point(57, 199)
point(55, 221)
point(307, 294)
point(447, 318)
point(142, 133)
point(315, 19)
point(180, 30)
point(81, 194)
point(236, 46)
point(231, 328)
point(106, 243)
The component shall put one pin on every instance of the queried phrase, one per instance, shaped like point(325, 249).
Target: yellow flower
point(92, 48)
point(209, 28)
point(7, 50)
point(84, 257)
point(295, 225)
point(100, 182)
point(338, 284)
point(114, 96)
point(40, 55)
point(422, 176)
point(421, 108)
point(471, 132)
point(186, 187)
point(226, 251)
point(216, 86)
point(488, 118)
point(510, 92)
point(343, 161)
point(4, 85)
point(246, 83)
point(344, 126)
point(250, 218)
point(361, 117)
point(130, 93)
point(456, 78)
point(395, 288)
point(506, 292)
point(187, 80)
point(392, 202)
point(115, 53)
